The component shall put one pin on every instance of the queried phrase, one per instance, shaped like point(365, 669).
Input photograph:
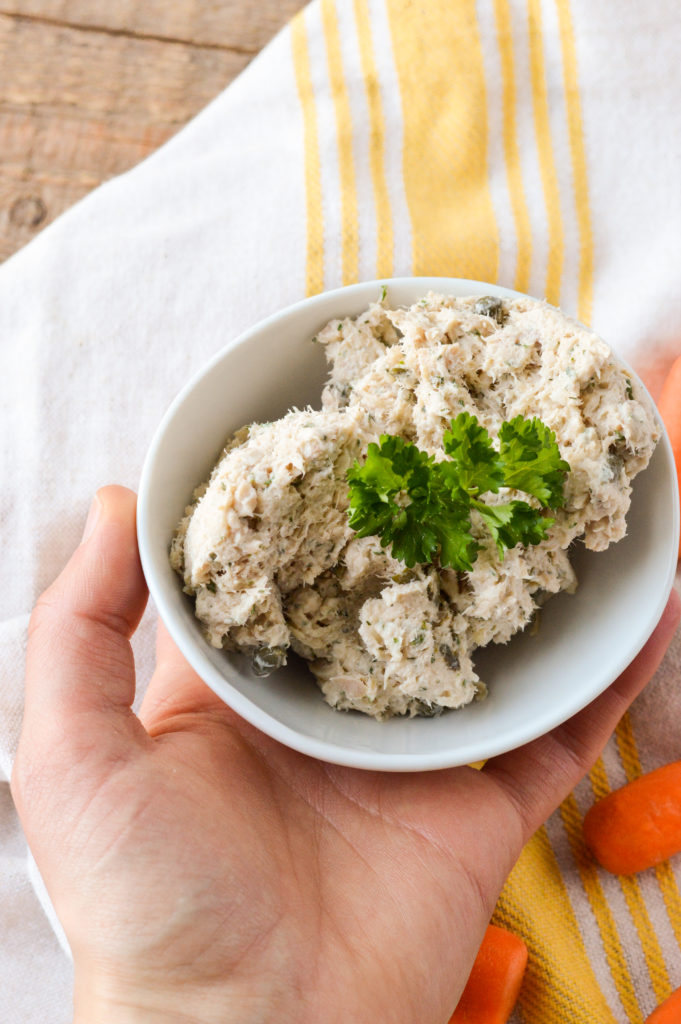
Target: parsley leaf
point(456, 545)
point(477, 465)
point(395, 496)
point(422, 508)
point(514, 522)
point(531, 460)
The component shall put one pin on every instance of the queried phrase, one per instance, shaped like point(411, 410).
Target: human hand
point(203, 872)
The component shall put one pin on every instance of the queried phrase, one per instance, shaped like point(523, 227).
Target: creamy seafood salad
point(266, 548)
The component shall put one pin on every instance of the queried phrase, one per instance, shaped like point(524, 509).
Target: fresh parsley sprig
point(422, 508)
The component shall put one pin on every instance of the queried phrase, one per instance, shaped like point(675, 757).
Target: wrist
point(107, 1003)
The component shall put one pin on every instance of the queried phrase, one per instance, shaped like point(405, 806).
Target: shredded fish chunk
point(265, 548)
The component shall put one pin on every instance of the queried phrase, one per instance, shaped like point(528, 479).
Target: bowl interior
point(535, 681)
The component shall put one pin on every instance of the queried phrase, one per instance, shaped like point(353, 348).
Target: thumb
point(540, 774)
point(80, 674)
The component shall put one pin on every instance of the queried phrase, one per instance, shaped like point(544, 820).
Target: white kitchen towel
point(531, 142)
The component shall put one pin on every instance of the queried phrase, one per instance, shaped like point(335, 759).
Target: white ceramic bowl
point(535, 682)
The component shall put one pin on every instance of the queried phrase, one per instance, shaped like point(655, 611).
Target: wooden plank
point(245, 25)
point(91, 87)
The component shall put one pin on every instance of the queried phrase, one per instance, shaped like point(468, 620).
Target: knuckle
point(43, 617)
point(27, 778)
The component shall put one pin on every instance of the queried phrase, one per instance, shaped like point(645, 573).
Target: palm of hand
point(203, 872)
point(240, 858)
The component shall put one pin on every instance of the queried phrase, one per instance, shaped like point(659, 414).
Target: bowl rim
point(190, 645)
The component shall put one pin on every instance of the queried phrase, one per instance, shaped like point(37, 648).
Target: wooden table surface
point(88, 88)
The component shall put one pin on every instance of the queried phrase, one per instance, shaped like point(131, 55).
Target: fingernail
point(92, 517)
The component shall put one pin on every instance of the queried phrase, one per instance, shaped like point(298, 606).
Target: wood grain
point(228, 24)
point(91, 87)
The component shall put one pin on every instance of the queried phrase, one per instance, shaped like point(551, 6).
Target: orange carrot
point(669, 406)
point(668, 1012)
point(638, 825)
point(494, 982)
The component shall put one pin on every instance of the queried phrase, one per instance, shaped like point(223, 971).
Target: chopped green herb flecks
point(422, 508)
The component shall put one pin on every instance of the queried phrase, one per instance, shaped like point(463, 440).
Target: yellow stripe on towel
point(560, 985)
point(314, 273)
point(578, 158)
point(588, 873)
point(384, 223)
point(650, 945)
point(346, 164)
point(547, 163)
point(443, 96)
point(670, 894)
point(516, 190)
point(657, 968)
